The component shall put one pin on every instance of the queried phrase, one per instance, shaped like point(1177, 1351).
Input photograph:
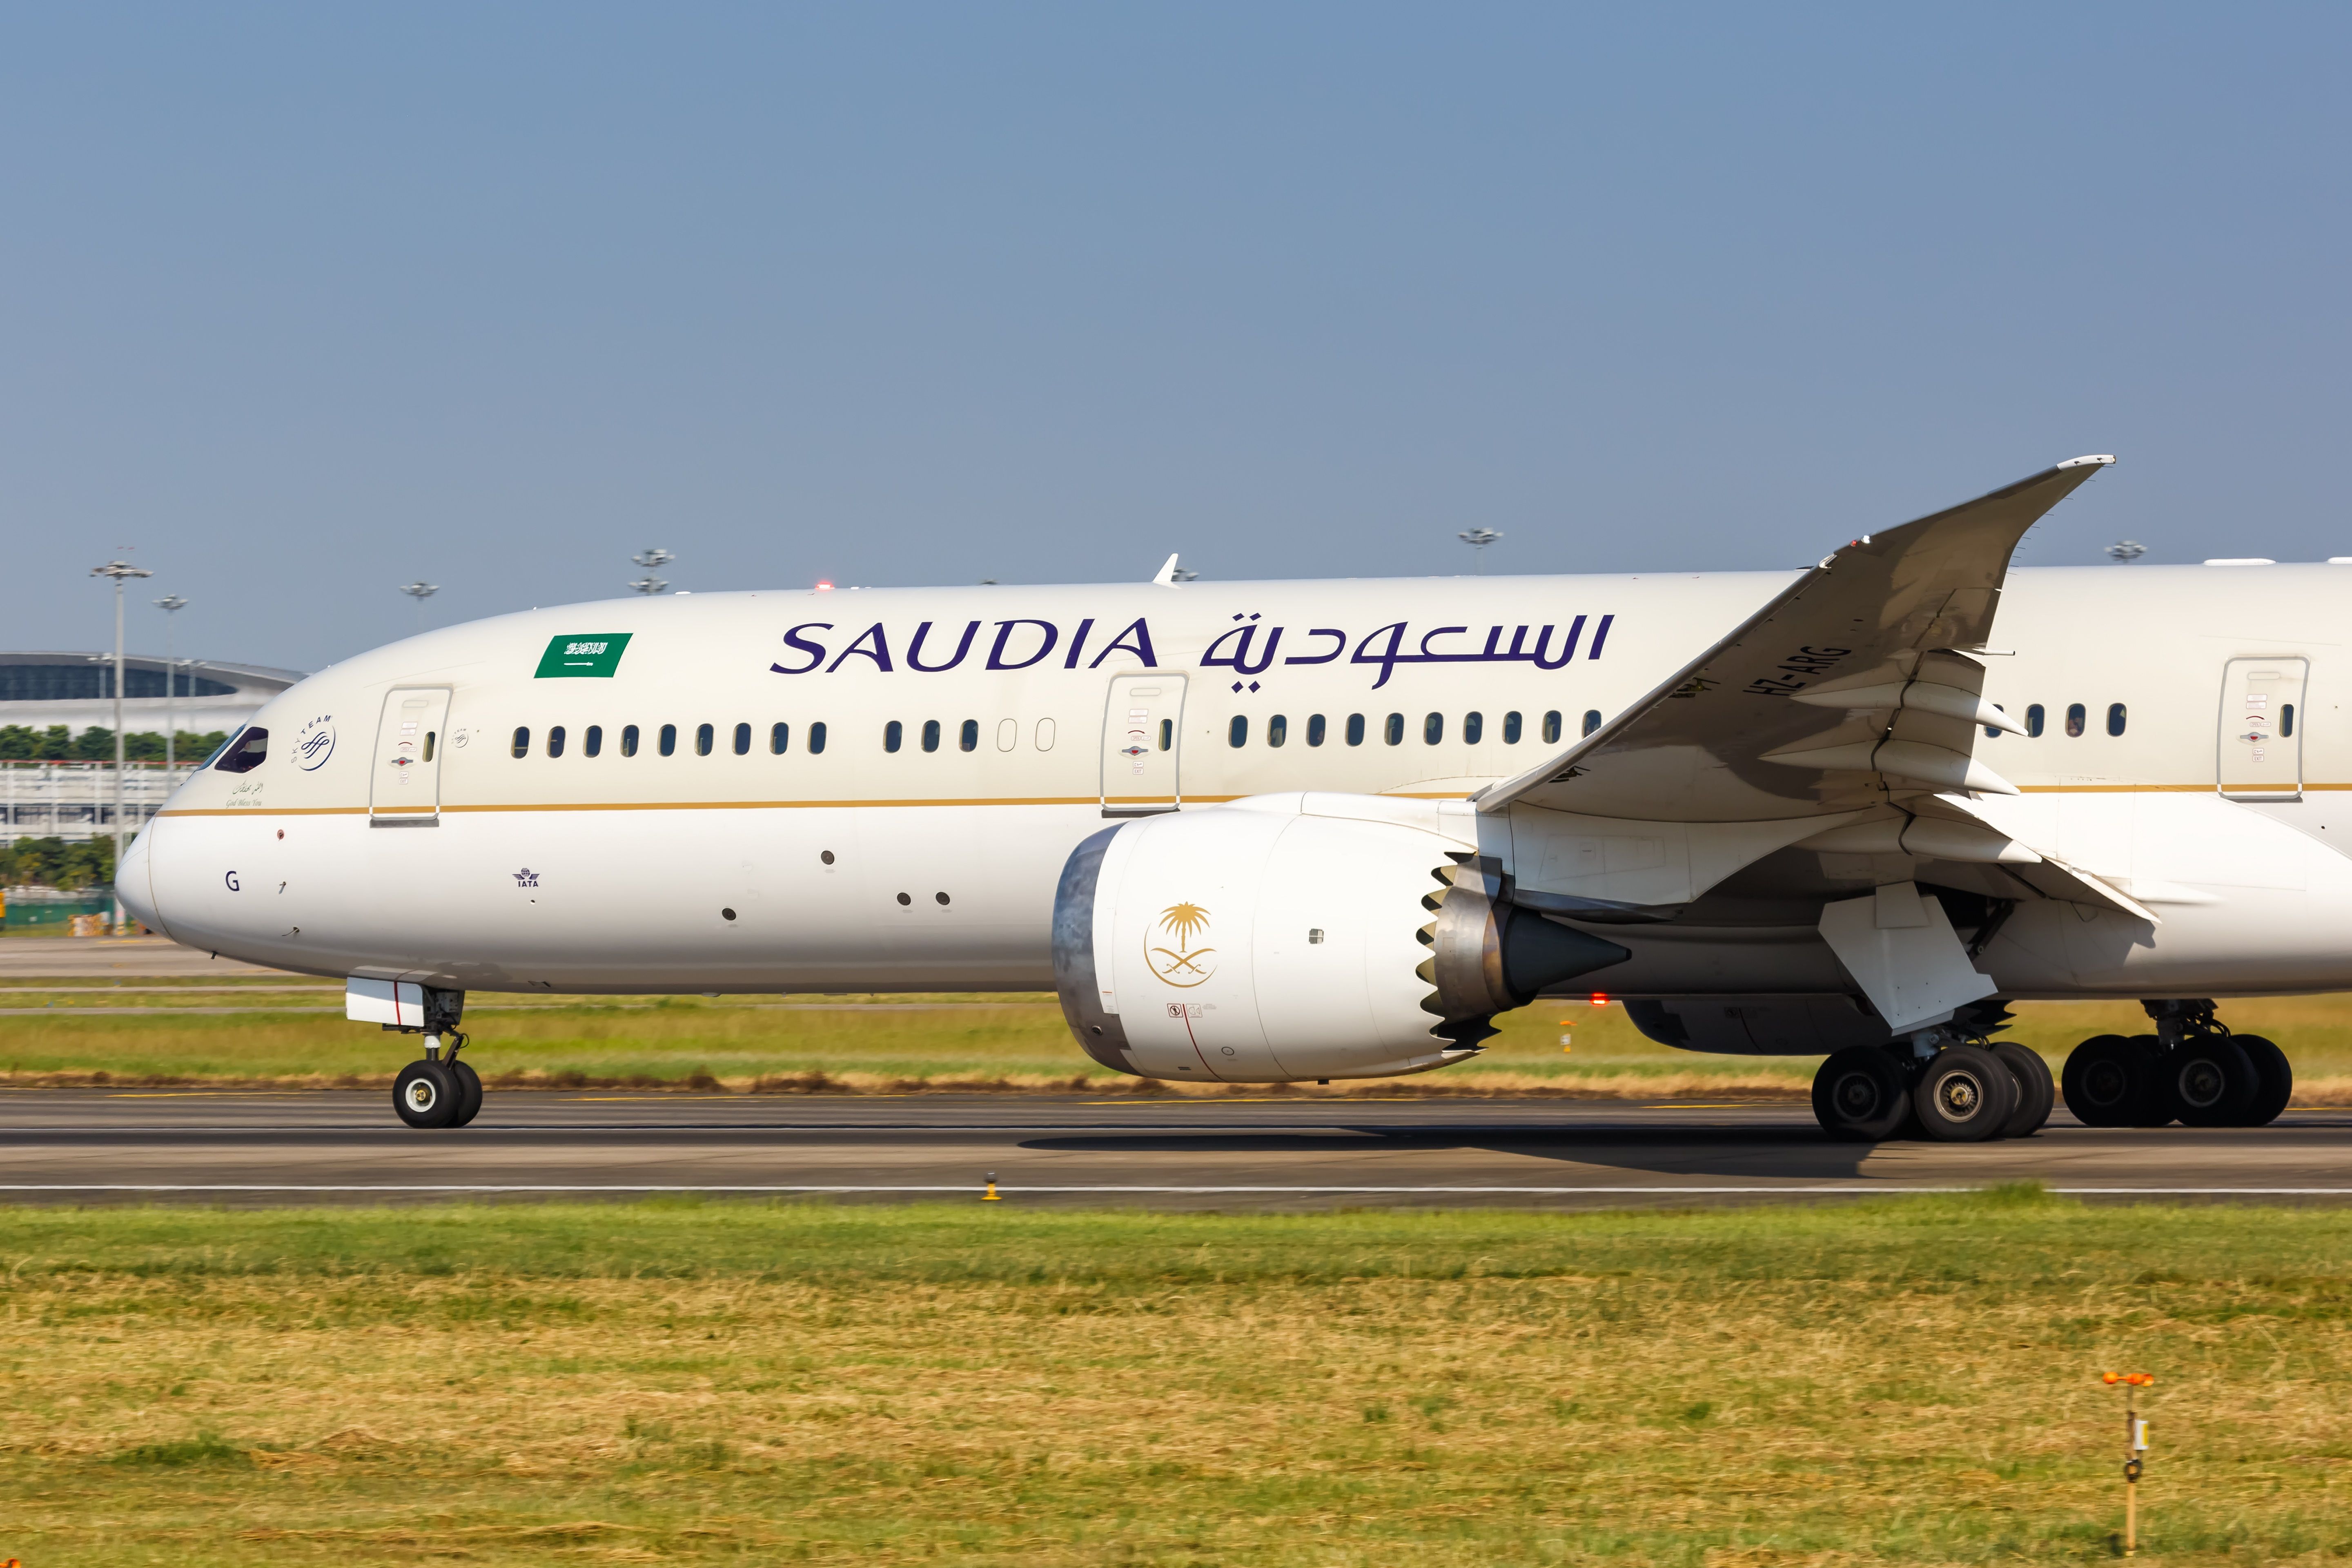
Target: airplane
point(1271, 832)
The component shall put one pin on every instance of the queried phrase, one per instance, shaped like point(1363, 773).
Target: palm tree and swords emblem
point(1182, 964)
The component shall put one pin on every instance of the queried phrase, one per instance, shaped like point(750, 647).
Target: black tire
point(1860, 1094)
point(2155, 1105)
point(425, 1095)
point(2209, 1082)
point(469, 1092)
point(2277, 1076)
point(1965, 1096)
point(2036, 1094)
point(2103, 1083)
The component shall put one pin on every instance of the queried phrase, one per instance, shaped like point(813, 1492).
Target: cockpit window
point(222, 750)
point(244, 752)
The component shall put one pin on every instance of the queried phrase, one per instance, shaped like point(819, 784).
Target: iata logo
point(1181, 964)
point(315, 742)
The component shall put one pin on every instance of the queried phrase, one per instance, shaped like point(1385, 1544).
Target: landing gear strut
point(2192, 1070)
point(438, 1090)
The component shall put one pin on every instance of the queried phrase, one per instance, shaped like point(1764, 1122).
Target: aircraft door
point(1144, 731)
point(2261, 751)
point(404, 789)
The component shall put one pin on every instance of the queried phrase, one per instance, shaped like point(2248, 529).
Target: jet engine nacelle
point(1284, 938)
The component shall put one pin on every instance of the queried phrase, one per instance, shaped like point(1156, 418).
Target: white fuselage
point(492, 864)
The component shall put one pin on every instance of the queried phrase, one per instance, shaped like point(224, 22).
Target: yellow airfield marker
point(2135, 1447)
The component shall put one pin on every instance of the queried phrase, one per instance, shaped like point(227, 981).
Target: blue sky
point(305, 301)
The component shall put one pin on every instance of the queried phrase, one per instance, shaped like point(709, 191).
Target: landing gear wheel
point(469, 1092)
point(425, 1094)
point(1859, 1095)
point(2103, 1083)
point(2209, 1082)
point(2036, 1095)
point(2278, 1078)
point(1966, 1095)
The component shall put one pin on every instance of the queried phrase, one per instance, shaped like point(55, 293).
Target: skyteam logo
point(314, 742)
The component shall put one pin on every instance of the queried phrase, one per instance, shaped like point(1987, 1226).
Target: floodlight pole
point(171, 605)
point(118, 569)
point(1477, 539)
point(420, 591)
point(651, 560)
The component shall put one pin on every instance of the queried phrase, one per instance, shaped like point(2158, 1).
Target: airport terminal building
point(76, 800)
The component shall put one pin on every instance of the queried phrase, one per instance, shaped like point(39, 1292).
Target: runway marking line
point(968, 1187)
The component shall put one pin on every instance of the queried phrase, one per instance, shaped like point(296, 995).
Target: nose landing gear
point(438, 1090)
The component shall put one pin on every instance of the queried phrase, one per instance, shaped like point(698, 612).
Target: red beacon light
point(1601, 998)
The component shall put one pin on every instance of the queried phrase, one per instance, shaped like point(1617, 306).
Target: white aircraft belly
point(620, 901)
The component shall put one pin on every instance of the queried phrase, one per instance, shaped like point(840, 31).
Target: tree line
point(23, 743)
point(53, 863)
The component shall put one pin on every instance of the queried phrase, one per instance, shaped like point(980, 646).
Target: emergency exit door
point(2260, 753)
point(406, 788)
point(1143, 732)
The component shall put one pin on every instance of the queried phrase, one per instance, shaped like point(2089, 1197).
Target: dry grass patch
point(1901, 1383)
point(958, 1045)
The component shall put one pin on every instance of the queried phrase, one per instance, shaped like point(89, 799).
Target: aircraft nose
point(134, 880)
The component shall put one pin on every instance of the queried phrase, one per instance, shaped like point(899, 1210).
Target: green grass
point(1910, 1380)
point(870, 1044)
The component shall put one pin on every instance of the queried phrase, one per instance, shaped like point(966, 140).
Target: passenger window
point(893, 735)
point(1591, 719)
point(1433, 729)
point(1510, 728)
point(930, 734)
point(2114, 718)
point(1354, 728)
point(1166, 735)
point(816, 737)
point(244, 751)
point(1992, 732)
point(1473, 726)
point(1237, 732)
point(968, 737)
point(1394, 730)
point(703, 736)
point(591, 744)
point(742, 740)
point(780, 739)
point(1314, 729)
point(2076, 717)
point(522, 741)
point(2033, 721)
point(1551, 726)
point(2286, 728)
point(555, 741)
point(669, 740)
point(1008, 734)
point(628, 740)
point(1278, 730)
point(592, 750)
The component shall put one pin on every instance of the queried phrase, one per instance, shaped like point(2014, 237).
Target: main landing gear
point(1934, 1085)
point(2192, 1070)
point(438, 1090)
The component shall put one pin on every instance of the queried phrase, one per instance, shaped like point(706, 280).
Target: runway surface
point(225, 1147)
